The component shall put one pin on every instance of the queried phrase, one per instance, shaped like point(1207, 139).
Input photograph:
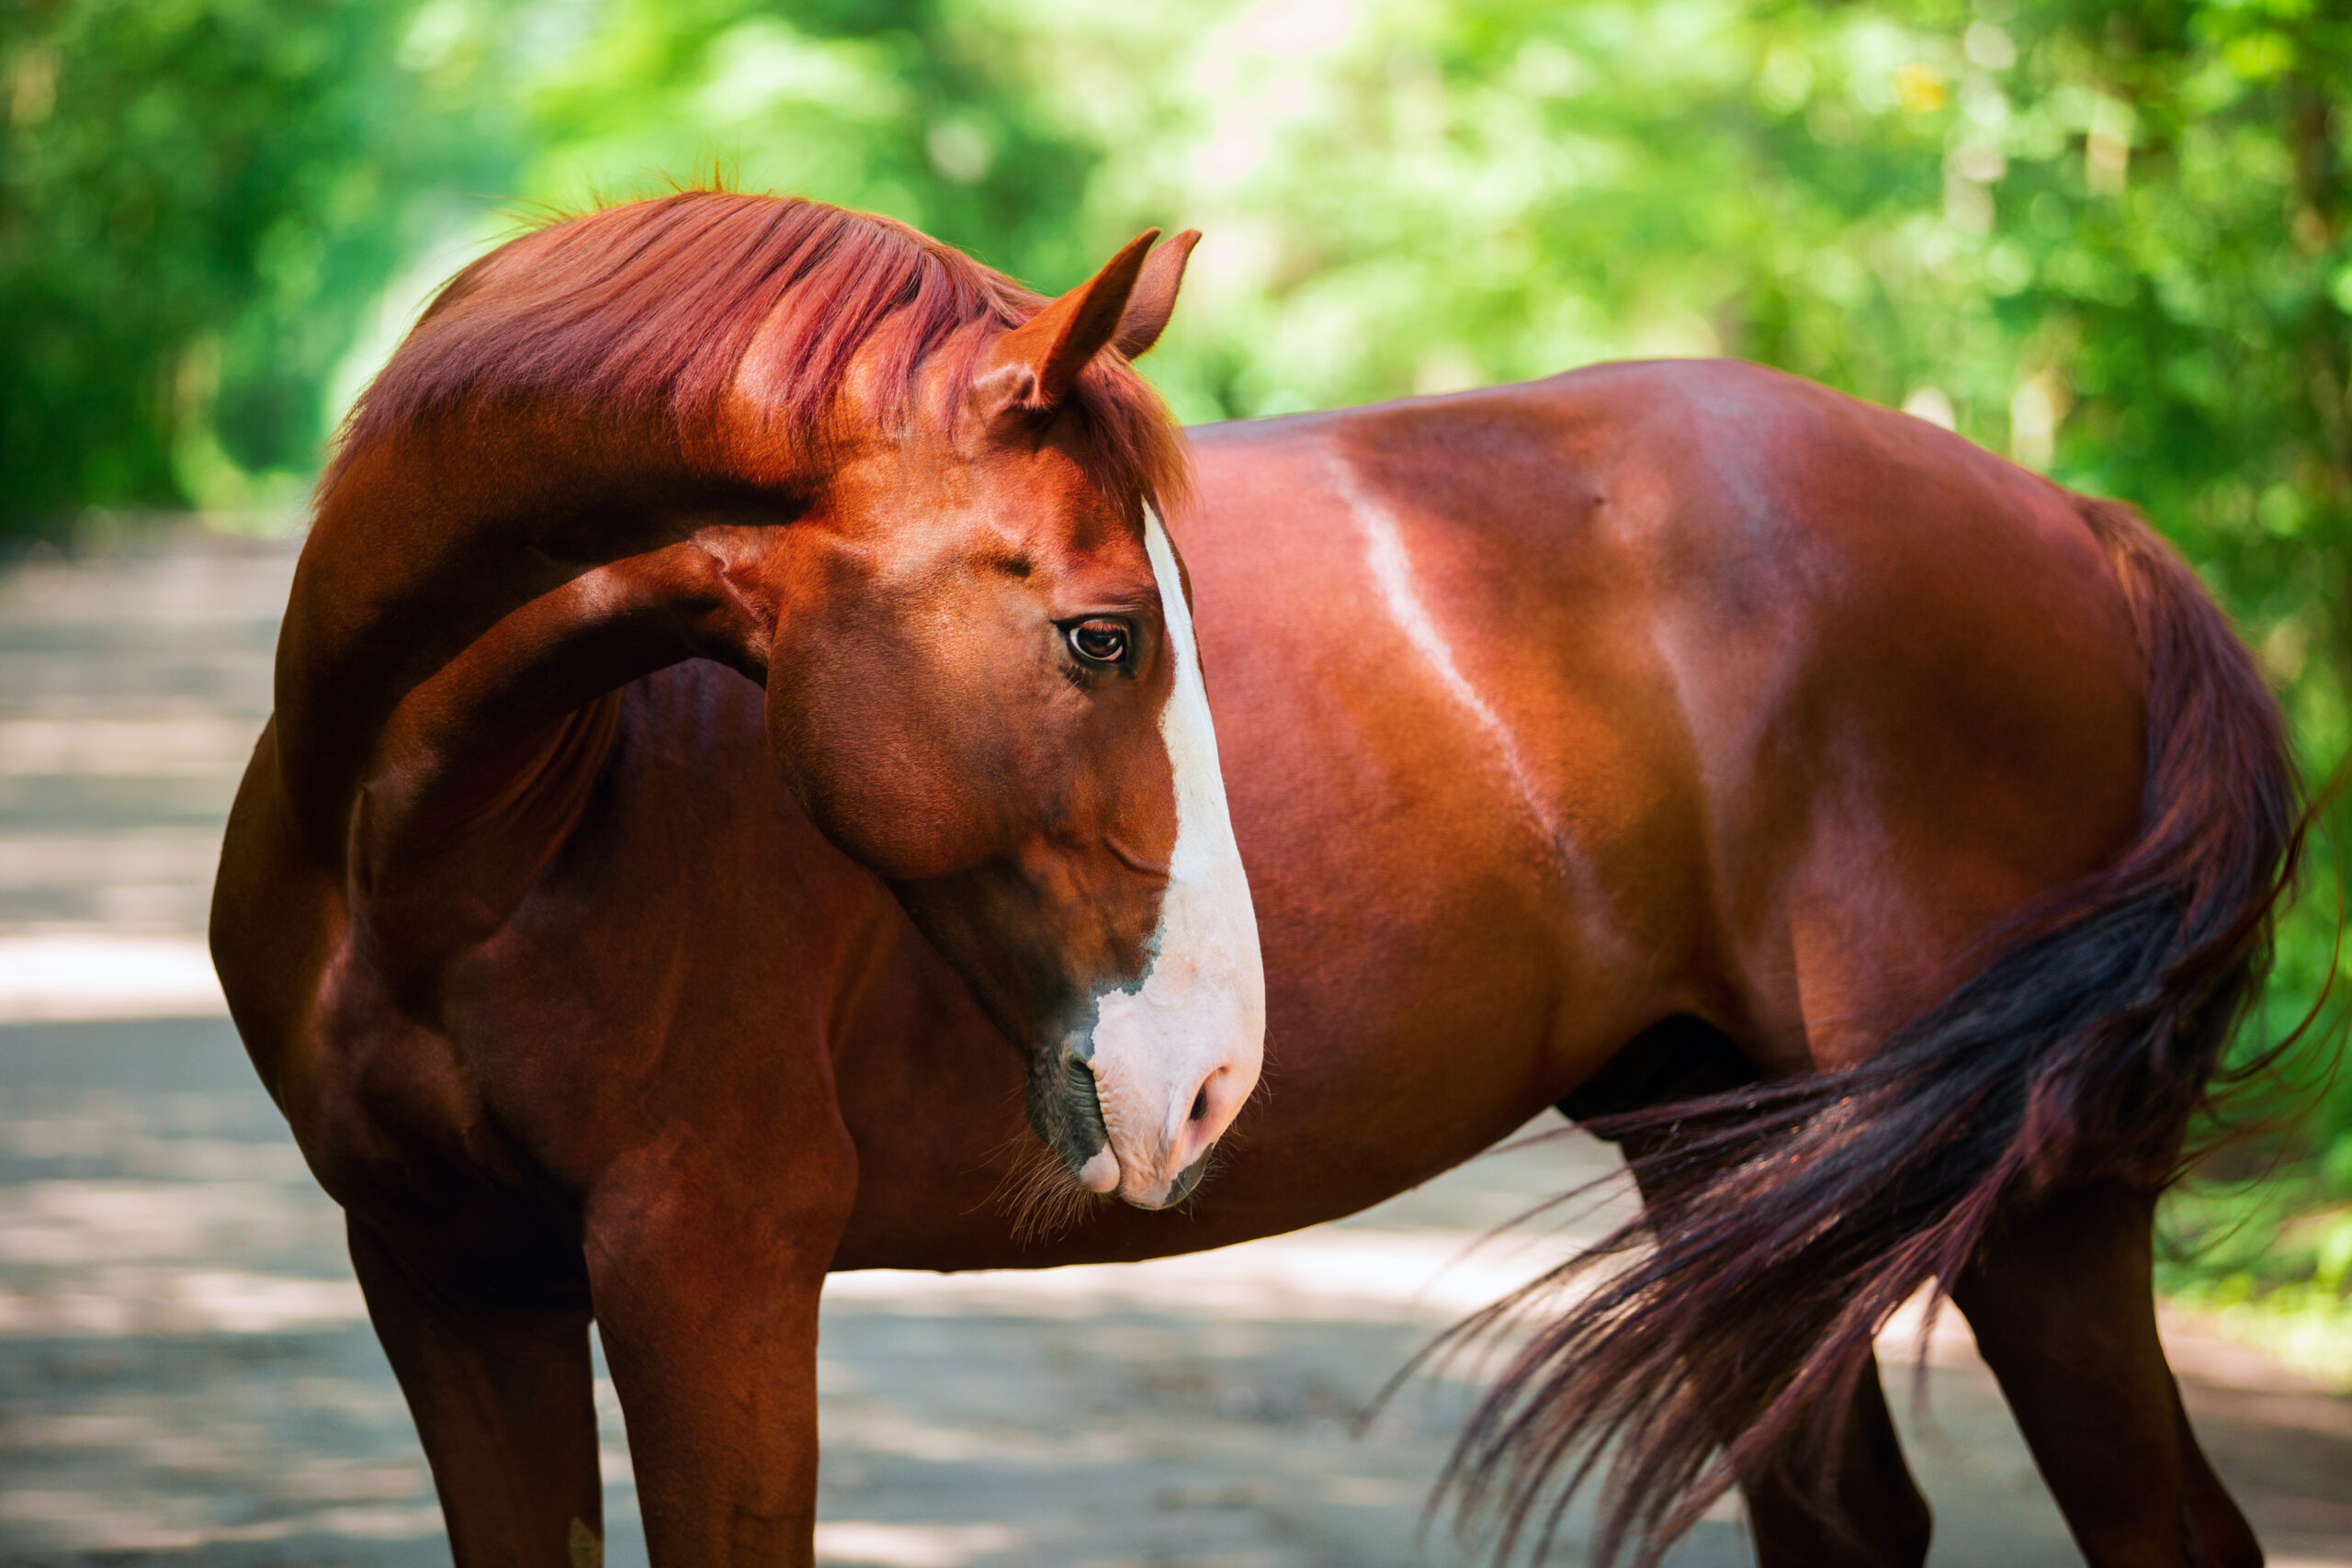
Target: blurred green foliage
point(2109, 240)
point(195, 197)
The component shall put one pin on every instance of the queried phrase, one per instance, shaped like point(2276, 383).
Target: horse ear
point(1033, 365)
point(1154, 299)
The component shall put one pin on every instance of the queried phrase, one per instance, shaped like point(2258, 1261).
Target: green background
point(2109, 240)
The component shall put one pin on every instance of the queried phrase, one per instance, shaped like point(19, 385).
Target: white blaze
point(1392, 570)
point(1196, 1023)
point(1391, 566)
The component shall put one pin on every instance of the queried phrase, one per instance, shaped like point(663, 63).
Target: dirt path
point(186, 1376)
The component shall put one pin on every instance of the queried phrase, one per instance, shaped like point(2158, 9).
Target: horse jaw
point(1191, 1030)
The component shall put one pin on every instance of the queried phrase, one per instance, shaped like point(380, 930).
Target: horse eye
point(1099, 642)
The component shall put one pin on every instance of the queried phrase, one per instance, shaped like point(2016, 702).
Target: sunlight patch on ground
point(120, 1302)
point(872, 1545)
point(111, 1522)
point(77, 976)
point(1312, 1276)
point(165, 746)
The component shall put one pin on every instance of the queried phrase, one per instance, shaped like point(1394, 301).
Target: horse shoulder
point(680, 953)
point(683, 956)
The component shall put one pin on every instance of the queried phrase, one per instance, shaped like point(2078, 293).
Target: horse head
point(985, 687)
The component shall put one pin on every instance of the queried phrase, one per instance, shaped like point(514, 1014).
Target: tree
point(196, 197)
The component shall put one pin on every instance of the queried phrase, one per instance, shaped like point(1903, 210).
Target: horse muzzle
point(1135, 1108)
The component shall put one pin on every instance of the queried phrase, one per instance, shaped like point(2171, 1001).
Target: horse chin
point(1175, 1192)
point(1100, 1172)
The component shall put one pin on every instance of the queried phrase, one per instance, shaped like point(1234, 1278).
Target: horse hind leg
point(503, 1398)
point(2062, 1302)
point(1873, 1515)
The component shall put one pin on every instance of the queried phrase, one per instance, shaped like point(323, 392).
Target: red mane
point(648, 309)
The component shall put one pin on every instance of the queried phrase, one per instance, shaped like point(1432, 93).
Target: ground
point(186, 1376)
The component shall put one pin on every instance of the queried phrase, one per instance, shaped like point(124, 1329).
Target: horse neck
point(462, 621)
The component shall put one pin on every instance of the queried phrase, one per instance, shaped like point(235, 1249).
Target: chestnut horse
point(741, 738)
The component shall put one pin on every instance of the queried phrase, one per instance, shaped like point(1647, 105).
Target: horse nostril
point(1200, 1103)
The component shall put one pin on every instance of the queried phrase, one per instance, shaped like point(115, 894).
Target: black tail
point(1784, 1222)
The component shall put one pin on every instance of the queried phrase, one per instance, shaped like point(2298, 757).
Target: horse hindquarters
point(1789, 1218)
point(2058, 1284)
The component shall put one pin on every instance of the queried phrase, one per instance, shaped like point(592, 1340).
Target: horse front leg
point(2062, 1304)
point(503, 1397)
point(705, 1271)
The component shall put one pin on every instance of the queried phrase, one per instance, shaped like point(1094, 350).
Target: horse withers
point(738, 682)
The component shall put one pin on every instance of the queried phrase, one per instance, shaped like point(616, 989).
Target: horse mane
point(648, 309)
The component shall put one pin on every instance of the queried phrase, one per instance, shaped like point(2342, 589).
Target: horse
point(742, 749)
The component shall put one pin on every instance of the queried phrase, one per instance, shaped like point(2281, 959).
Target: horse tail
point(1785, 1221)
